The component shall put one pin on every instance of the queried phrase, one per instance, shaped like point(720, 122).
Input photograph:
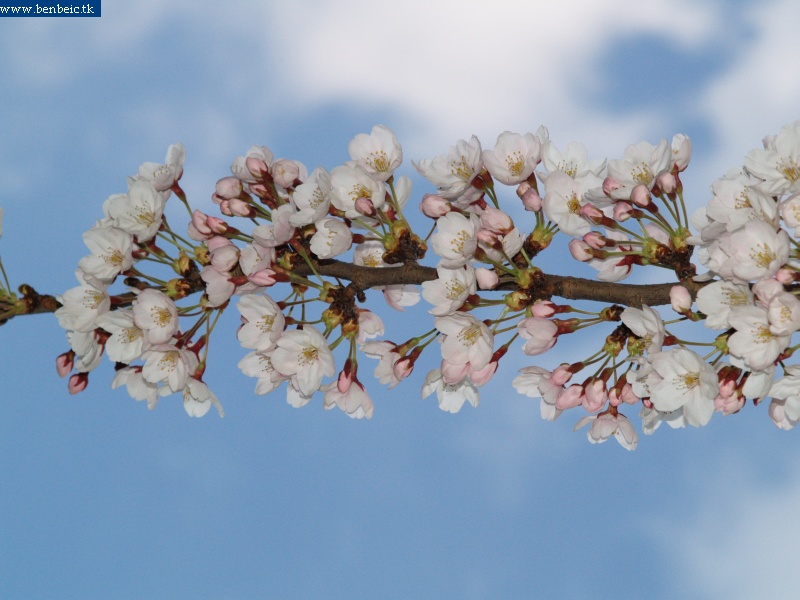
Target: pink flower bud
point(496, 221)
point(487, 279)
point(217, 225)
point(532, 201)
point(622, 211)
point(434, 206)
point(78, 382)
point(64, 363)
point(561, 375)
point(785, 276)
point(595, 395)
point(284, 172)
point(228, 187)
point(240, 208)
point(522, 188)
point(580, 250)
point(452, 374)
point(591, 212)
point(217, 242)
point(198, 229)
point(263, 278)
point(766, 290)
point(365, 206)
point(640, 195)
point(224, 206)
point(667, 182)
point(482, 376)
point(680, 298)
point(486, 237)
point(258, 189)
point(344, 381)
point(610, 185)
point(543, 309)
point(572, 397)
point(403, 368)
point(595, 239)
point(257, 166)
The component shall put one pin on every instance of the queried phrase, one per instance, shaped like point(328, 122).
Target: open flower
point(452, 173)
point(156, 314)
point(303, 356)
point(378, 153)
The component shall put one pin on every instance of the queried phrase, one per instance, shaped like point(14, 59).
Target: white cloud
point(760, 92)
point(456, 68)
point(743, 542)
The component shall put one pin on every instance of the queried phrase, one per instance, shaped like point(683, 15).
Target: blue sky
point(102, 498)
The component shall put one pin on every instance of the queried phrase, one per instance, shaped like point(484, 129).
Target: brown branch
point(364, 278)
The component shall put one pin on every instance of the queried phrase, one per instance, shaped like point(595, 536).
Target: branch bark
point(364, 278)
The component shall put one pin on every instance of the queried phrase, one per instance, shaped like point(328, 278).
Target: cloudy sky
point(102, 498)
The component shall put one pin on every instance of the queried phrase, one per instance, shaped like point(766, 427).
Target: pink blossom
point(541, 334)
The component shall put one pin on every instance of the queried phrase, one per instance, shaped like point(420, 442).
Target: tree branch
point(411, 273)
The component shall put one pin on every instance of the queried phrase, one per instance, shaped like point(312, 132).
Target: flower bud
point(77, 383)
point(257, 166)
point(365, 206)
point(434, 206)
point(667, 182)
point(785, 276)
point(284, 172)
point(543, 309)
point(64, 363)
point(572, 397)
point(595, 240)
point(561, 374)
point(487, 279)
point(622, 211)
point(580, 250)
point(228, 187)
point(640, 196)
point(610, 185)
point(591, 212)
point(680, 298)
point(262, 278)
point(532, 201)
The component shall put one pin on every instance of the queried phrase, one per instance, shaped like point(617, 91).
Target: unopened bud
point(595, 240)
point(228, 188)
point(580, 250)
point(64, 363)
point(640, 196)
point(680, 298)
point(610, 185)
point(434, 206)
point(667, 182)
point(257, 166)
point(622, 211)
point(487, 279)
point(365, 206)
point(77, 383)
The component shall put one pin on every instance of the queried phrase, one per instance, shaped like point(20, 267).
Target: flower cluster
point(314, 232)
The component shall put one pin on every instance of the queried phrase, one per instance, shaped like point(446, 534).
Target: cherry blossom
point(454, 240)
point(451, 397)
point(378, 153)
point(262, 322)
point(303, 355)
point(513, 158)
point(156, 314)
point(452, 173)
point(139, 211)
point(449, 292)
point(610, 424)
point(111, 252)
